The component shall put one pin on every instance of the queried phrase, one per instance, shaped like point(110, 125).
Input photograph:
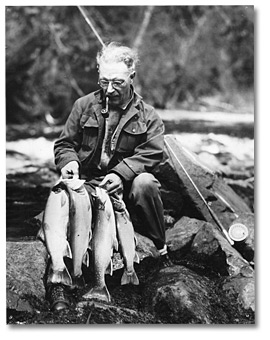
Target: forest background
point(191, 57)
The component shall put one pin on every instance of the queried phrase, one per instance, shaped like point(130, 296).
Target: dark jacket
point(138, 143)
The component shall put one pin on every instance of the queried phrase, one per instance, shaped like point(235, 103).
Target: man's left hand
point(112, 183)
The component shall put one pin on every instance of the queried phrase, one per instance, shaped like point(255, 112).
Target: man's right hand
point(70, 170)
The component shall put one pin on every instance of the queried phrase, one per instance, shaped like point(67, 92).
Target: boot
point(56, 294)
point(164, 260)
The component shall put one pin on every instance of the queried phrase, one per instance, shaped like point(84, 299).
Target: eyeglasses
point(116, 84)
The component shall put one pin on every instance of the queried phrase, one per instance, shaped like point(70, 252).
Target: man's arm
point(69, 142)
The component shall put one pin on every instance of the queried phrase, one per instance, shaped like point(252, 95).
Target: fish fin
point(115, 244)
point(136, 258)
point(41, 235)
point(63, 200)
point(129, 278)
point(90, 246)
point(60, 276)
point(68, 251)
point(109, 269)
point(98, 293)
point(86, 259)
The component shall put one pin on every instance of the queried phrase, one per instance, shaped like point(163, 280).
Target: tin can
point(238, 232)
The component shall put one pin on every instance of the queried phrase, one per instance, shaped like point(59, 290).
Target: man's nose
point(110, 88)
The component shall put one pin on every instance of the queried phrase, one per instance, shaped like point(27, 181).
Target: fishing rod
point(105, 110)
point(84, 14)
point(212, 213)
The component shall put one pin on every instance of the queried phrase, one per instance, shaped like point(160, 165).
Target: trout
point(67, 205)
point(127, 242)
point(54, 231)
point(103, 243)
point(80, 221)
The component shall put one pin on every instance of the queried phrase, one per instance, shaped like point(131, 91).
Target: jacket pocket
point(89, 136)
point(131, 136)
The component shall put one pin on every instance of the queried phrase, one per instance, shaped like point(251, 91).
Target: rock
point(247, 247)
point(244, 188)
point(14, 301)
point(145, 247)
point(177, 295)
point(25, 269)
point(109, 314)
point(182, 233)
point(243, 288)
point(179, 194)
point(215, 249)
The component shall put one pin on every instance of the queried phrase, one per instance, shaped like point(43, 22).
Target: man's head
point(116, 66)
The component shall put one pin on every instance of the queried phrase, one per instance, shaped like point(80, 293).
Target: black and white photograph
point(130, 156)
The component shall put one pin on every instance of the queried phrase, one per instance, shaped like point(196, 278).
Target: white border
point(261, 330)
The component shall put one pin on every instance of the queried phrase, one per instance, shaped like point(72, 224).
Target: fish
point(54, 232)
point(80, 228)
point(127, 241)
point(103, 243)
point(66, 229)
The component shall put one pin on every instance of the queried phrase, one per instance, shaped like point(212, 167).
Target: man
point(113, 139)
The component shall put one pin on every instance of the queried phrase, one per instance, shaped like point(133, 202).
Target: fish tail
point(129, 278)
point(59, 276)
point(98, 293)
point(41, 235)
point(68, 251)
point(136, 258)
point(86, 260)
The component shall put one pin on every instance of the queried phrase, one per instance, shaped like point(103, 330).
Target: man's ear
point(132, 76)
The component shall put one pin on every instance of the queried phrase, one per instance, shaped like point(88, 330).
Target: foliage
point(186, 52)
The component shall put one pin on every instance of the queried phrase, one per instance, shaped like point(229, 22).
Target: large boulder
point(177, 295)
point(243, 288)
point(25, 268)
point(203, 245)
point(212, 246)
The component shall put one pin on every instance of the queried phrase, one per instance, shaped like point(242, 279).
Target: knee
point(145, 184)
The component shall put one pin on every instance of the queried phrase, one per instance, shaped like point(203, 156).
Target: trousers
point(143, 199)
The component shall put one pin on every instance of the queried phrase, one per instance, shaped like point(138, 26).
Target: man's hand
point(112, 183)
point(70, 170)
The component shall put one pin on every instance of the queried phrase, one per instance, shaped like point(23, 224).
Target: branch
point(64, 50)
point(147, 17)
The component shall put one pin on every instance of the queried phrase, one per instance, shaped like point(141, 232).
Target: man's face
point(114, 78)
